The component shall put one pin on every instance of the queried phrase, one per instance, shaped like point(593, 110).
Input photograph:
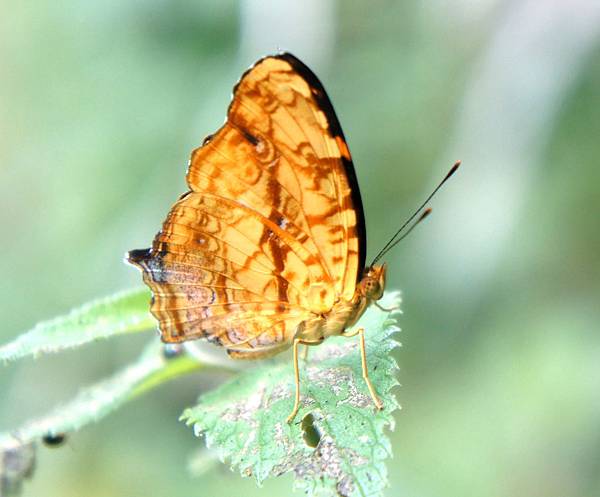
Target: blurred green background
point(100, 106)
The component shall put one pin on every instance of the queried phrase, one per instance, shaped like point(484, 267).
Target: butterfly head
point(372, 284)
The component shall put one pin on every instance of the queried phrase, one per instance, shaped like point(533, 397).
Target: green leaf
point(90, 405)
point(96, 401)
point(124, 312)
point(336, 445)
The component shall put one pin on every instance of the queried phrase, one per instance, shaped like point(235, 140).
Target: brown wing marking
point(191, 301)
point(246, 238)
point(227, 165)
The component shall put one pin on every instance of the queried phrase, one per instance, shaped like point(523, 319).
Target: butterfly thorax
point(344, 313)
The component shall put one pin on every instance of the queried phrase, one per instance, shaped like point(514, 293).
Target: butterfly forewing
point(272, 231)
point(282, 104)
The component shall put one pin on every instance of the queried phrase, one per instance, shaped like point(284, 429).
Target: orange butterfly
point(267, 249)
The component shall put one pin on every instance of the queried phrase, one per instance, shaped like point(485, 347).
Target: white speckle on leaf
point(347, 457)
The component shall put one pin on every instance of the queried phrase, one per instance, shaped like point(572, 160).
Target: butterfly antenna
point(393, 241)
point(426, 213)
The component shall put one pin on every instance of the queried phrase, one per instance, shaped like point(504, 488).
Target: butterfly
point(266, 251)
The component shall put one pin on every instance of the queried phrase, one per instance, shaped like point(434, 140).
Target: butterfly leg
point(363, 359)
point(305, 353)
point(386, 309)
point(291, 417)
point(365, 371)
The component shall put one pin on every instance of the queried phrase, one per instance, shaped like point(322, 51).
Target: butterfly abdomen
point(342, 315)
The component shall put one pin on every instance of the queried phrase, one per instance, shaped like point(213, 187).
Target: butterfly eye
point(371, 286)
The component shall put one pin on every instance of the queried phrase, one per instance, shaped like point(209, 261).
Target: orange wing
point(272, 231)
